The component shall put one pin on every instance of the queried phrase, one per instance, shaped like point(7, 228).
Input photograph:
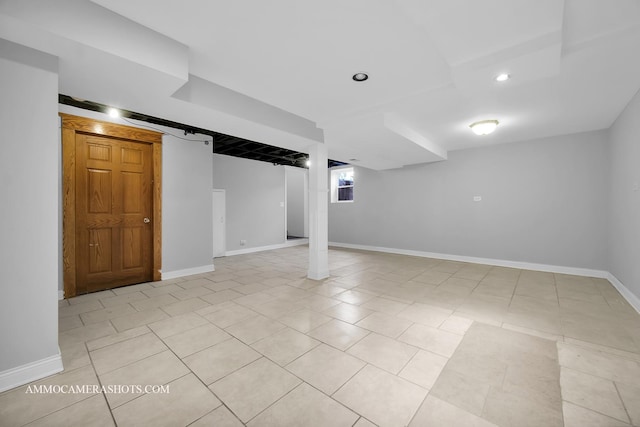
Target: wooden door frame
point(71, 125)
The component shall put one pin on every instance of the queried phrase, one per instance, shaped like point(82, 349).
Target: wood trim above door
point(71, 125)
point(97, 127)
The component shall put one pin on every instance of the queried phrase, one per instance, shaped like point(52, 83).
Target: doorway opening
point(297, 203)
point(219, 223)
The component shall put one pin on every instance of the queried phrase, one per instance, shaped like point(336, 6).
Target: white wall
point(543, 201)
point(255, 191)
point(187, 210)
point(297, 194)
point(624, 201)
point(29, 172)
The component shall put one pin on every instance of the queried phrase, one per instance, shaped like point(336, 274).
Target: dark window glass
point(345, 193)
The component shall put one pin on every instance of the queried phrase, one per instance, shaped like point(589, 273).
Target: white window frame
point(335, 173)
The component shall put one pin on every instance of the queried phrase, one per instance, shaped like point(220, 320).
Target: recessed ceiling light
point(113, 113)
point(360, 77)
point(503, 77)
point(484, 127)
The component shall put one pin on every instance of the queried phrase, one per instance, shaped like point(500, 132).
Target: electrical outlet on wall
point(243, 242)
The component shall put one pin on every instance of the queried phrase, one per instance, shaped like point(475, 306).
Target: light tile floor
point(387, 340)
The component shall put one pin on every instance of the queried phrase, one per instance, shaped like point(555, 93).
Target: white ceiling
point(276, 71)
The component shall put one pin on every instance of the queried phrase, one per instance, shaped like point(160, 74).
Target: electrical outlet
point(243, 242)
point(477, 198)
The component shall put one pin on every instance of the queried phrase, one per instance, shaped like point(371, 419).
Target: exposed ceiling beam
point(222, 143)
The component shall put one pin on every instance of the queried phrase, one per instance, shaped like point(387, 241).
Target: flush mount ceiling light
point(484, 127)
point(360, 77)
point(503, 77)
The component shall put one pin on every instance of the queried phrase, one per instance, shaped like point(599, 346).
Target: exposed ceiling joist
point(222, 143)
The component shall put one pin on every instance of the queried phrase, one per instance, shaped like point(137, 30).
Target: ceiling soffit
point(283, 69)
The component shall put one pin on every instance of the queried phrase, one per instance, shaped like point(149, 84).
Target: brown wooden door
point(114, 231)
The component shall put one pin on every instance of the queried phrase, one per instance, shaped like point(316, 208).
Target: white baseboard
point(187, 272)
point(576, 271)
point(625, 292)
point(287, 244)
point(33, 371)
point(488, 261)
point(631, 298)
point(60, 295)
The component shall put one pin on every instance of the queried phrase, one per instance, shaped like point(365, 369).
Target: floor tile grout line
point(190, 372)
point(277, 400)
point(514, 288)
point(632, 355)
point(104, 396)
point(615, 385)
point(560, 382)
point(222, 403)
point(413, 416)
point(325, 394)
point(129, 339)
point(412, 302)
point(145, 394)
point(630, 424)
point(349, 379)
point(57, 410)
point(409, 361)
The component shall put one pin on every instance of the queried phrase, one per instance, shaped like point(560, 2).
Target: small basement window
point(342, 185)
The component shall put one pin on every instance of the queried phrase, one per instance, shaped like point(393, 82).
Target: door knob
point(146, 220)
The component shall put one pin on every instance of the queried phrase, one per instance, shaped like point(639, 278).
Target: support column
point(318, 213)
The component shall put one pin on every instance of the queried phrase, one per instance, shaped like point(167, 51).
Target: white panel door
point(219, 223)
